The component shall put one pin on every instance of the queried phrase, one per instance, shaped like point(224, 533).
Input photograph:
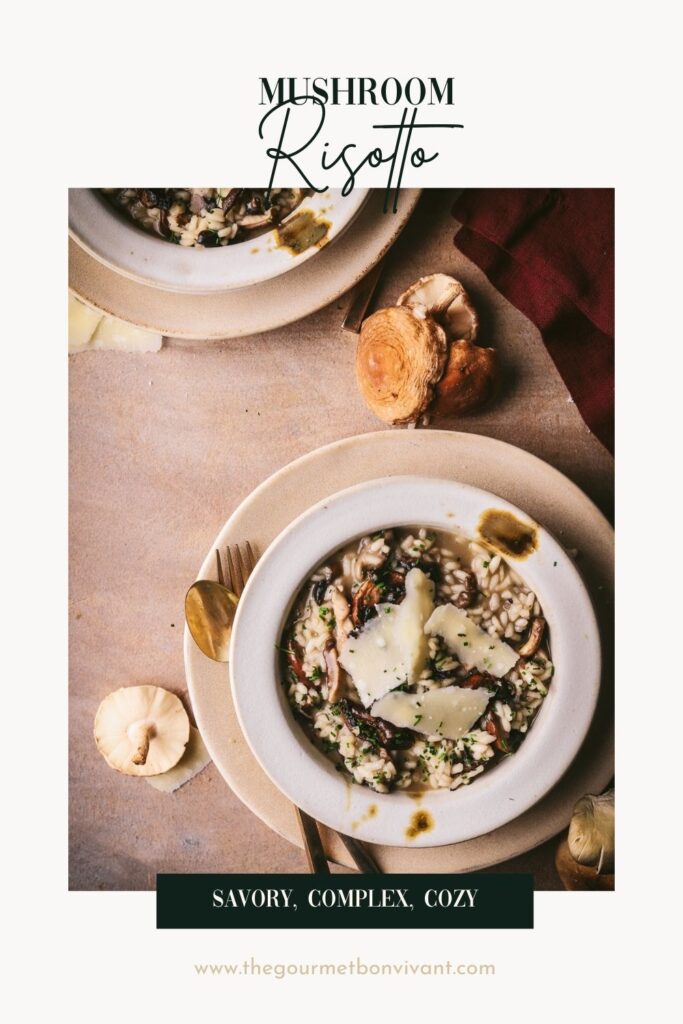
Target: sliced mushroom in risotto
point(416, 659)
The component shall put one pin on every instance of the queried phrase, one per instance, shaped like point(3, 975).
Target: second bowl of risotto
point(415, 661)
point(207, 239)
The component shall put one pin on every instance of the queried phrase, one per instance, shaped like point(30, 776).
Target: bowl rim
point(140, 256)
point(285, 752)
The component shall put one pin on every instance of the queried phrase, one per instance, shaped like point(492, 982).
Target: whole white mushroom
point(591, 832)
point(141, 730)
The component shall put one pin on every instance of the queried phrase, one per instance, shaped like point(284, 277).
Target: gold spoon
point(209, 612)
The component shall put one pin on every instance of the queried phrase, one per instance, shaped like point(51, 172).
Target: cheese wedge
point(393, 647)
point(83, 322)
point(449, 712)
point(471, 645)
point(115, 334)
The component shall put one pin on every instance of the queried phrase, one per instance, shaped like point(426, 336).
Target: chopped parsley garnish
point(418, 719)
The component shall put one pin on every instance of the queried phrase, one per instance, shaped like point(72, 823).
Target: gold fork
point(240, 565)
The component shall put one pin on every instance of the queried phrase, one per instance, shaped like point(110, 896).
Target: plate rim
point(155, 309)
point(507, 842)
point(323, 800)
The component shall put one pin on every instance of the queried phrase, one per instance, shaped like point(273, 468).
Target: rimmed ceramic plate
point(120, 244)
point(250, 310)
point(524, 480)
point(304, 774)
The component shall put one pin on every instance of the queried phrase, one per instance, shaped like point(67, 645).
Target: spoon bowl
point(210, 612)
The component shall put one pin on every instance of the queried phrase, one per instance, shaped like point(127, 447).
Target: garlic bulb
point(591, 832)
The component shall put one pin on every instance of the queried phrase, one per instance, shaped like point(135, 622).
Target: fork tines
point(240, 563)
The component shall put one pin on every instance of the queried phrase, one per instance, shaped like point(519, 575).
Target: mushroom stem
point(577, 876)
point(142, 736)
point(129, 718)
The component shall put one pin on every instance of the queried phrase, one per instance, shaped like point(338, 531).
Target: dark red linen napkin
point(551, 253)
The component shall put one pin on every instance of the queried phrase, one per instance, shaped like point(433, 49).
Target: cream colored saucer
point(250, 310)
point(522, 479)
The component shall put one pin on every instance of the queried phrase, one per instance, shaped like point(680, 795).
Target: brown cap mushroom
point(419, 356)
point(470, 379)
point(141, 730)
point(400, 357)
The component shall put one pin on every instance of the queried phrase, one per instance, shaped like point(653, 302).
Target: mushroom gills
point(445, 299)
point(418, 357)
point(141, 730)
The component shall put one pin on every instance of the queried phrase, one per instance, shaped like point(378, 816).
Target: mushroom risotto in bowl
point(208, 239)
point(415, 661)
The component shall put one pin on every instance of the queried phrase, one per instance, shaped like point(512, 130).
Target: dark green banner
point(345, 901)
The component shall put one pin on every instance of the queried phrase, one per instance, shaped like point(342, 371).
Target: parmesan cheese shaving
point(83, 322)
point(471, 645)
point(411, 617)
point(89, 329)
point(392, 648)
point(115, 334)
point(193, 761)
point(448, 713)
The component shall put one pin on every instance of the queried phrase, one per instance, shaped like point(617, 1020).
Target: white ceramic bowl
point(119, 243)
point(304, 774)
